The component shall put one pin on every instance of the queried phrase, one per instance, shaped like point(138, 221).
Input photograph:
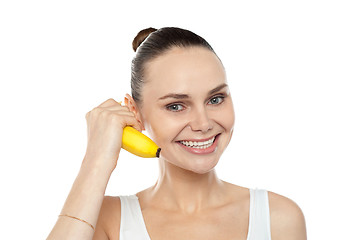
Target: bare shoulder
point(108, 225)
point(287, 219)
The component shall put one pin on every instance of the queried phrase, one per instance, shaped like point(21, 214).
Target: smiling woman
point(181, 97)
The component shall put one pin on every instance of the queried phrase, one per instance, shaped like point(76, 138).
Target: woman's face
point(187, 108)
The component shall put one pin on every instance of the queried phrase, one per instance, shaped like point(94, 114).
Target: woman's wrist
point(97, 166)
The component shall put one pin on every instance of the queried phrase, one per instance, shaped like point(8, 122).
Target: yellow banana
point(137, 143)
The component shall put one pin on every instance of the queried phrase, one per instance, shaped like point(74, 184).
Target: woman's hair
point(151, 43)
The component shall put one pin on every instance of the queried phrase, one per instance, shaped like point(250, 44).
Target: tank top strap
point(259, 217)
point(132, 225)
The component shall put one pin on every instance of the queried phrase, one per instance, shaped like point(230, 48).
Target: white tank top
point(132, 225)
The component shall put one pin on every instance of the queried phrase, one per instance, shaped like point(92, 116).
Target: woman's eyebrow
point(174, 95)
point(218, 88)
point(185, 96)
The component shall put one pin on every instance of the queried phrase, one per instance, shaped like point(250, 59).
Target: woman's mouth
point(200, 146)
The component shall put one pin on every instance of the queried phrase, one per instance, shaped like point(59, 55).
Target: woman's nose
point(201, 121)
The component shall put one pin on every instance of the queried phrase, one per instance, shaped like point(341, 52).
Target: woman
point(181, 97)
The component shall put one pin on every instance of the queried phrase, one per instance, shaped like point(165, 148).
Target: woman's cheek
point(229, 116)
point(164, 130)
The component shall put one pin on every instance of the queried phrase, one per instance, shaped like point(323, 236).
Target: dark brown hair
point(151, 43)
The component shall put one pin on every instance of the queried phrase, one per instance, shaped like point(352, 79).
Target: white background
point(293, 68)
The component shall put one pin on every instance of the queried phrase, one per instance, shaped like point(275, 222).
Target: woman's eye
point(175, 107)
point(216, 100)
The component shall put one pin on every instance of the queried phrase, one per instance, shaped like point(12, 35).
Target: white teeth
point(200, 145)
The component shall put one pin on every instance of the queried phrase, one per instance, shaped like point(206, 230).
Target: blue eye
point(175, 107)
point(216, 100)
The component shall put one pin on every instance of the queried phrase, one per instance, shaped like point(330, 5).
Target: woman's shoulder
point(286, 217)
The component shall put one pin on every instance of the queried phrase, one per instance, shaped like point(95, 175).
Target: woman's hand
point(105, 125)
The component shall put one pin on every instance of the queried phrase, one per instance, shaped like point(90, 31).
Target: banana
point(137, 143)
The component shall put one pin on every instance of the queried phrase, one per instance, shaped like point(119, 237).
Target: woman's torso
point(247, 218)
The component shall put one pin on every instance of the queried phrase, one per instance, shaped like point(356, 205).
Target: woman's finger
point(131, 121)
point(116, 108)
point(108, 103)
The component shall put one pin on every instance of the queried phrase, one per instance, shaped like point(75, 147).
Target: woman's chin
point(202, 171)
point(198, 167)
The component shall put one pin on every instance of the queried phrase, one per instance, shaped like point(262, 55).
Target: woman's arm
point(105, 128)
point(84, 201)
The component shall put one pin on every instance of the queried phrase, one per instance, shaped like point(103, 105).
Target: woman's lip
point(198, 140)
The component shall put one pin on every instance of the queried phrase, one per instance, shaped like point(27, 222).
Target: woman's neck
point(189, 192)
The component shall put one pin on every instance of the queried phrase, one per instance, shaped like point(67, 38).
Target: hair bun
point(141, 36)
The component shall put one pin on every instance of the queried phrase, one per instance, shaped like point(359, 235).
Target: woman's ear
point(131, 104)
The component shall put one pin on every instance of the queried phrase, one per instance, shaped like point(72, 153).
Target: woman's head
point(182, 98)
point(155, 43)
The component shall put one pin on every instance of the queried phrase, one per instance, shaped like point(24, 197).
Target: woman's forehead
point(184, 68)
